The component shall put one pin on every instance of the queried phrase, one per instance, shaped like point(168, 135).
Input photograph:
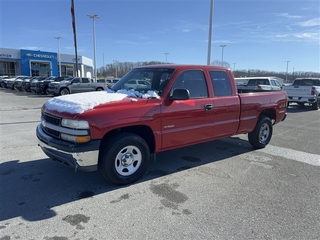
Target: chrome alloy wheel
point(128, 160)
point(264, 133)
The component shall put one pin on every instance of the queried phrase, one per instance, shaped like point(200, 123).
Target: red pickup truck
point(150, 110)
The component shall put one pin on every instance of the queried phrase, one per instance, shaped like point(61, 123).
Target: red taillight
point(313, 91)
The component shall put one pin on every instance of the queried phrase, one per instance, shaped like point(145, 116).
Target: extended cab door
point(80, 85)
point(226, 104)
point(187, 121)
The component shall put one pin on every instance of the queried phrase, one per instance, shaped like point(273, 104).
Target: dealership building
point(15, 62)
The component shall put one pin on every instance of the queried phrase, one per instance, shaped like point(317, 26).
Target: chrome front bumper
point(83, 161)
point(80, 157)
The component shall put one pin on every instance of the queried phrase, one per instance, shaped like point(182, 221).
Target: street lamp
point(59, 61)
point(166, 56)
point(222, 47)
point(94, 44)
point(287, 71)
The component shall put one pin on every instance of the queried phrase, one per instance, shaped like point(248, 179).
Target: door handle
point(208, 107)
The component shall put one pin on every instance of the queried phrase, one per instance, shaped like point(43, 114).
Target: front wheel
point(124, 158)
point(99, 89)
point(262, 133)
point(64, 91)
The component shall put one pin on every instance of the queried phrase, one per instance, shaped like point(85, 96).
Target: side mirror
point(180, 94)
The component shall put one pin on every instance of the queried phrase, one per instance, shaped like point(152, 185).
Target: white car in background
point(259, 84)
point(304, 90)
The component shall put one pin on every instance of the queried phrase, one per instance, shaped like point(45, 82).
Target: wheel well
point(270, 113)
point(143, 131)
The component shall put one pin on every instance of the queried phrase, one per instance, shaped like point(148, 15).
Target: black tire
point(316, 105)
point(122, 149)
point(262, 133)
point(46, 91)
point(64, 91)
point(99, 89)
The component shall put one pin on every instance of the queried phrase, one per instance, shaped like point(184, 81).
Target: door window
point(194, 81)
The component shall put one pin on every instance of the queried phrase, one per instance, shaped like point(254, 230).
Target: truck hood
point(81, 102)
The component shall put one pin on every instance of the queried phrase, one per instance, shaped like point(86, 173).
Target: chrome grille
point(51, 119)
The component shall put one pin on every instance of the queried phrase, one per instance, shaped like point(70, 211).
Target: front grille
point(51, 119)
point(51, 132)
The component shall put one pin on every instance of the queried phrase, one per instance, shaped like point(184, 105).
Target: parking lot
point(217, 190)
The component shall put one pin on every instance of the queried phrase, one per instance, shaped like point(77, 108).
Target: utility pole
point(287, 71)
point(94, 44)
point(210, 33)
point(166, 56)
point(222, 47)
point(116, 67)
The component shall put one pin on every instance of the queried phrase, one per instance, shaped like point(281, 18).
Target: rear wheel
point(124, 158)
point(316, 105)
point(64, 91)
point(262, 133)
point(99, 89)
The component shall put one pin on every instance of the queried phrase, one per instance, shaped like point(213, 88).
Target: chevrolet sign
point(37, 55)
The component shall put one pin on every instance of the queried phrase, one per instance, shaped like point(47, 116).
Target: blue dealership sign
point(29, 58)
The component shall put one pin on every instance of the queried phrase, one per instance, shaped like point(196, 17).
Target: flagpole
point(74, 34)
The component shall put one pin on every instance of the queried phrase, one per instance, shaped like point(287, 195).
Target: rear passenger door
point(226, 105)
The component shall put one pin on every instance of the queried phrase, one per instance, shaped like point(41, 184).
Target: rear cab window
point(221, 83)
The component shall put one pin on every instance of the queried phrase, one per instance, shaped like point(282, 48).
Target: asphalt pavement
point(216, 190)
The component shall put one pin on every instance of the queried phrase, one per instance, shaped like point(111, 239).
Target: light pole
point(94, 44)
point(210, 33)
point(166, 56)
point(59, 61)
point(222, 47)
point(287, 71)
point(234, 66)
point(116, 67)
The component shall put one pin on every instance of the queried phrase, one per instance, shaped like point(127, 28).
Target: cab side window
point(221, 83)
point(194, 81)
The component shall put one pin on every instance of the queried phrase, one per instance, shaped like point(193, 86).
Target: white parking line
point(309, 158)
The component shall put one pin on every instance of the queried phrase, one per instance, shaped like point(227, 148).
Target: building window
point(7, 69)
point(42, 69)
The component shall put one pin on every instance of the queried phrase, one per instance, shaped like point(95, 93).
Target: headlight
point(75, 124)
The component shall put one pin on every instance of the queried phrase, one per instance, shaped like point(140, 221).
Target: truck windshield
point(144, 80)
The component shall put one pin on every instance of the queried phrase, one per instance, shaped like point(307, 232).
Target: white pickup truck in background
point(258, 84)
point(304, 90)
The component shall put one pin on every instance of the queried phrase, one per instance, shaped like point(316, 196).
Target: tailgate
point(298, 91)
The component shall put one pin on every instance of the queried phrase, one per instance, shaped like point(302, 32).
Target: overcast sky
point(258, 34)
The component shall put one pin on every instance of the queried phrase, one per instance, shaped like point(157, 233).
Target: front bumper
point(83, 157)
point(53, 91)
